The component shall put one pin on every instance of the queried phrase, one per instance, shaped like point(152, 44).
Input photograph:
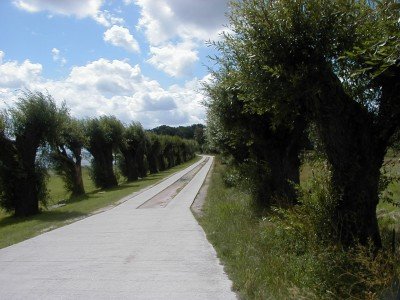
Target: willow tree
point(154, 152)
point(67, 155)
point(133, 152)
point(268, 157)
point(336, 63)
point(34, 120)
point(104, 136)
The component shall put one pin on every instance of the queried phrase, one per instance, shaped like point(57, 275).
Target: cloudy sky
point(140, 60)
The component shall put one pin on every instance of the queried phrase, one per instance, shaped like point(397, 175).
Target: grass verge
point(278, 256)
point(14, 230)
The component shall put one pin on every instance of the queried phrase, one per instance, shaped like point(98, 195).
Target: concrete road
point(123, 253)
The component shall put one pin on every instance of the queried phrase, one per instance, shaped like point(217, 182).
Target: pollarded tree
point(33, 121)
point(8, 165)
point(154, 152)
point(268, 157)
point(67, 155)
point(168, 152)
point(133, 152)
point(141, 157)
point(104, 137)
point(336, 62)
point(162, 161)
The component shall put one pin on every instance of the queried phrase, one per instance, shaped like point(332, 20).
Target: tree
point(185, 132)
point(34, 120)
point(199, 136)
point(154, 152)
point(104, 136)
point(134, 149)
point(268, 157)
point(143, 148)
point(67, 155)
point(337, 63)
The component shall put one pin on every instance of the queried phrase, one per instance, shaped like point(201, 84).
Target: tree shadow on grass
point(46, 216)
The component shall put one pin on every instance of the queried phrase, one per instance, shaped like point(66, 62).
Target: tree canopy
point(333, 65)
point(34, 120)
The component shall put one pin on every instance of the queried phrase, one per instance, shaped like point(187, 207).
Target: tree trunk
point(27, 187)
point(357, 194)
point(285, 175)
point(78, 188)
point(130, 169)
point(69, 169)
point(152, 164)
point(109, 180)
point(347, 131)
point(140, 159)
point(26, 201)
point(103, 168)
point(280, 150)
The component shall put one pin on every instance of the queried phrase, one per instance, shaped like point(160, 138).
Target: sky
point(140, 60)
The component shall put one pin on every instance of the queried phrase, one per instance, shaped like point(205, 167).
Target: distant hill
point(187, 132)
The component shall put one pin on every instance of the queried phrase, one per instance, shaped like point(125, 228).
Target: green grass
point(278, 256)
point(57, 191)
point(249, 256)
point(392, 164)
point(14, 230)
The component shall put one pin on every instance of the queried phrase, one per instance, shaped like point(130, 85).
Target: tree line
point(36, 134)
point(193, 132)
point(295, 75)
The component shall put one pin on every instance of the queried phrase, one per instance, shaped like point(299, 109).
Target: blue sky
point(140, 60)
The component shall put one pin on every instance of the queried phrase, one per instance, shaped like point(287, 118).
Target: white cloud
point(175, 60)
point(163, 20)
point(121, 37)
point(1, 57)
point(77, 8)
point(108, 87)
point(176, 28)
point(18, 76)
point(107, 19)
point(55, 53)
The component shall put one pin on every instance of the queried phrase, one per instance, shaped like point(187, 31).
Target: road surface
point(123, 253)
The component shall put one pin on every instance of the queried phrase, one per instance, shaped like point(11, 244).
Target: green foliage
point(318, 202)
point(389, 177)
point(284, 255)
point(231, 177)
point(185, 132)
point(105, 135)
point(33, 121)
point(36, 116)
point(380, 54)
point(133, 149)
point(287, 64)
point(154, 152)
point(105, 130)
point(66, 155)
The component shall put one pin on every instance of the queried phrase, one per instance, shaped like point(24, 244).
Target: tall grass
point(281, 255)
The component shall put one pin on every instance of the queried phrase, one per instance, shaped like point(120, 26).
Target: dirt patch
point(163, 198)
point(197, 206)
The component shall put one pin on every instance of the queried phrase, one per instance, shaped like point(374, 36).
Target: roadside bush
point(307, 230)
point(286, 253)
point(231, 177)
